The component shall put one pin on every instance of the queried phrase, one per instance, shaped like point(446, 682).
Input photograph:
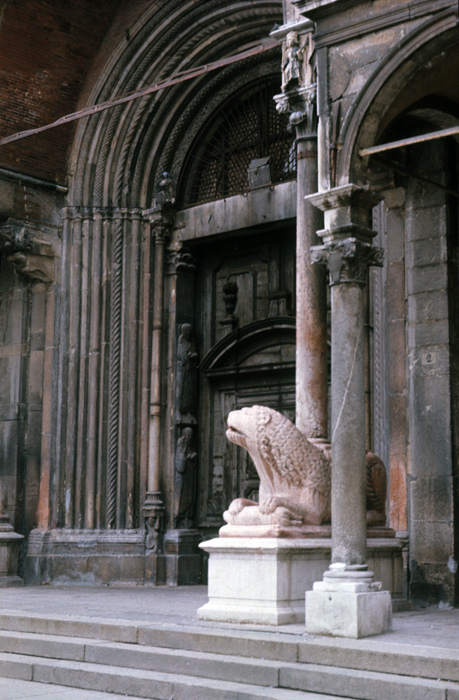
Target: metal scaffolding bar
point(452, 131)
point(160, 85)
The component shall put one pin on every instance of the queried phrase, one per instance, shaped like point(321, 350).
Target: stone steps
point(206, 663)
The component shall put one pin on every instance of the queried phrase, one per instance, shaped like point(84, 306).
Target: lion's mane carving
point(295, 478)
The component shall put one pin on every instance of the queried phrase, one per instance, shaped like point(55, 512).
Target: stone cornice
point(335, 33)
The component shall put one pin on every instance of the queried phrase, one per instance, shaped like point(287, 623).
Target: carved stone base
point(348, 603)
point(257, 581)
point(263, 580)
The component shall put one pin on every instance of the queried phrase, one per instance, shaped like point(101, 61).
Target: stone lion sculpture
point(295, 475)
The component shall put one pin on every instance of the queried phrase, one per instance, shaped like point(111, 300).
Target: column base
point(348, 603)
point(348, 614)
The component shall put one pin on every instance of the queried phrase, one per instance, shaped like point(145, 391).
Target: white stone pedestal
point(348, 603)
point(260, 580)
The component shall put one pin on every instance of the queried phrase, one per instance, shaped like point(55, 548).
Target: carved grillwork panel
point(246, 128)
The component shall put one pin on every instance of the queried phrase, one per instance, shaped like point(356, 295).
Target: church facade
point(165, 259)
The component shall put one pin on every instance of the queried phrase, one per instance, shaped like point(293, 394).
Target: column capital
point(347, 260)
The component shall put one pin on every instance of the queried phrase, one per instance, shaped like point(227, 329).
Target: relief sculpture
point(295, 478)
point(186, 458)
point(187, 360)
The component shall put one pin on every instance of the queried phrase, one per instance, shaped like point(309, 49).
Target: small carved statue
point(295, 475)
point(230, 292)
point(165, 192)
point(153, 534)
point(186, 458)
point(187, 360)
point(291, 68)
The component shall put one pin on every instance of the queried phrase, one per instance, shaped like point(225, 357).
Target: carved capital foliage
point(347, 260)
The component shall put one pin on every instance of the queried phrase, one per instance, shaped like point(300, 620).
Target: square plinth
point(348, 614)
point(260, 580)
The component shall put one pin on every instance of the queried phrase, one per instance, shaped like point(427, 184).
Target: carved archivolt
point(122, 152)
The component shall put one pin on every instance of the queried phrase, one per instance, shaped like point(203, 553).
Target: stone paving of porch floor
point(426, 627)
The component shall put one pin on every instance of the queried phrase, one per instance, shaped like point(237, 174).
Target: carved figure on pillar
point(187, 360)
point(186, 458)
point(153, 527)
point(165, 192)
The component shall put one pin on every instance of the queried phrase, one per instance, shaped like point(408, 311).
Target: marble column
point(298, 99)
point(348, 602)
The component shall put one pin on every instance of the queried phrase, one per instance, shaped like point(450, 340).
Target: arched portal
point(147, 252)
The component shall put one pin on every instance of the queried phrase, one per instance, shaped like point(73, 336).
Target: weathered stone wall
point(430, 482)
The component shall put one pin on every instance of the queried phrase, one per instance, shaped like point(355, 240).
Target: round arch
point(381, 99)
point(117, 156)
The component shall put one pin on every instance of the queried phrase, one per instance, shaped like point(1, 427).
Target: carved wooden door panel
point(247, 332)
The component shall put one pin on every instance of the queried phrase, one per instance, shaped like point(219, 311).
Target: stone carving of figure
point(185, 479)
point(153, 534)
point(165, 191)
point(291, 68)
point(187, 360)
point(295, 477)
